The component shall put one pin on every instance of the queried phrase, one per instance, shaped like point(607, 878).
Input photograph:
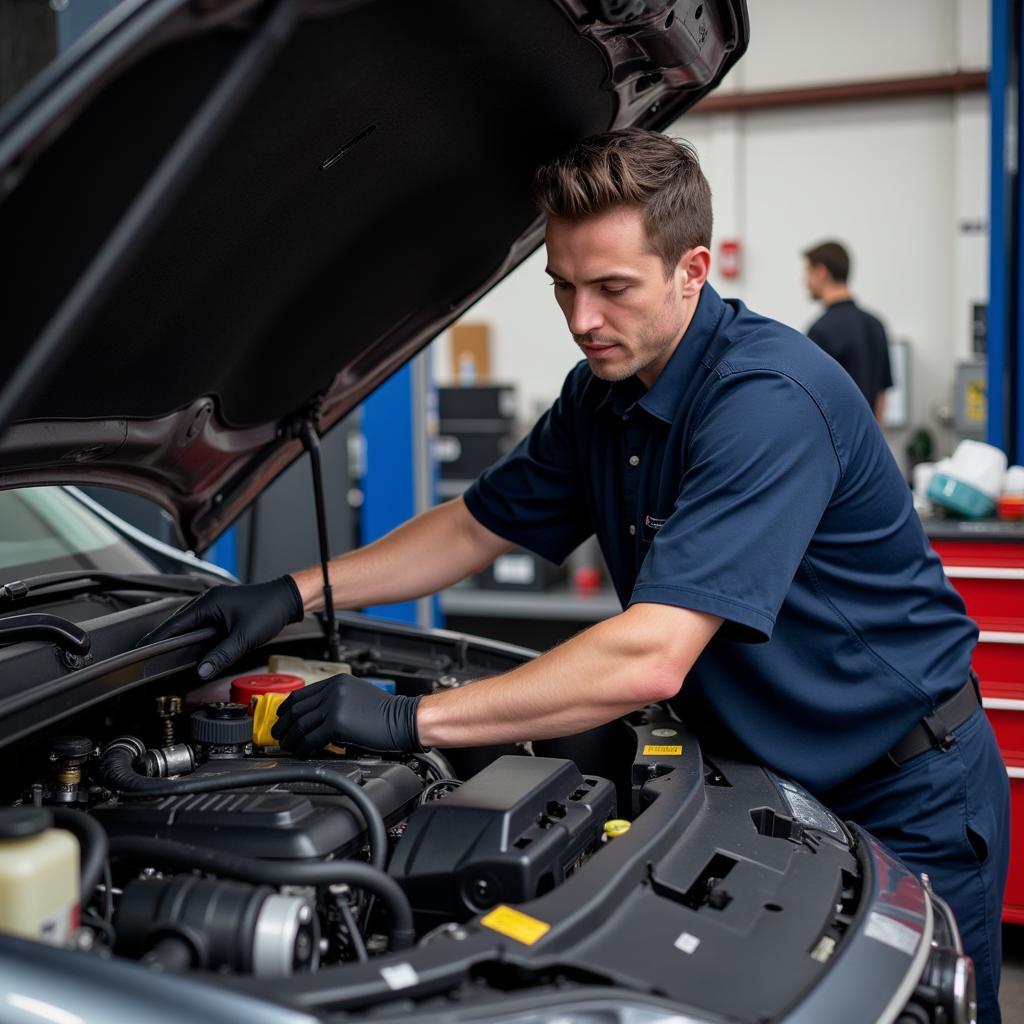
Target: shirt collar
point(663, 399)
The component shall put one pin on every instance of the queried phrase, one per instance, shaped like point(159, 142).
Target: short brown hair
point(833, 257)
point(633, 167)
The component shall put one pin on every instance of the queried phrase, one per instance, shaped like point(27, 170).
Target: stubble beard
point(644, 354)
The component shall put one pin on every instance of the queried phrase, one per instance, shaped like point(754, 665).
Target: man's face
point(622, 311)
point(815, 277)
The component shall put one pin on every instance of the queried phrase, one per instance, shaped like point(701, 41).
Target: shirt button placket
point(633, 440)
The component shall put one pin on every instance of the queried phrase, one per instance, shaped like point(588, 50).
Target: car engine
point(206, 847)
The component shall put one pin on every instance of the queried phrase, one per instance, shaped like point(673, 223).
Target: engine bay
point(148, 821)
point(182, 780)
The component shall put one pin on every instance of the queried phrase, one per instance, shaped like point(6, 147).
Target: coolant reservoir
point(223, 688)
point(39, 877)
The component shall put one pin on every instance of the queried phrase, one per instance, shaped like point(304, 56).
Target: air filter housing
point(512, 832)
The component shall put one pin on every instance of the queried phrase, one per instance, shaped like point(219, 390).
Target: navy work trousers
point(947, 814)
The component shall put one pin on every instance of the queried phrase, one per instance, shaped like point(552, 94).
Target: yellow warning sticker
point(662, 749)
point(515, 924)
point(975, 402)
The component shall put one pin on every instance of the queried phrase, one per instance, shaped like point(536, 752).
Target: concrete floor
point(1011, 988)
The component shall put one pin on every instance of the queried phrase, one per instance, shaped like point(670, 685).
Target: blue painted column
point(224, 551)
point(399, 473)
point(1016, 453)
point(1006, 273)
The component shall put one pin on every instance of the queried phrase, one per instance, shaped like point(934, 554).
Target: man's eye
point(560, 285)
point(614, 291)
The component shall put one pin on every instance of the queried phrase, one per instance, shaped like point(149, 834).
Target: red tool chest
point(985, 562)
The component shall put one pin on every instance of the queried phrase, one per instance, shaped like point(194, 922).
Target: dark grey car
point(264, 209)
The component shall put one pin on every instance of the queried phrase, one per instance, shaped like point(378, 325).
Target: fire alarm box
point(729, 258)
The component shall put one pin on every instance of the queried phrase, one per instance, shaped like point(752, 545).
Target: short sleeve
point(761, 469)
point(532, 496)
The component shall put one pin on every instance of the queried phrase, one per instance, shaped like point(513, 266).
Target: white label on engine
point(400, 976)
point(892, 932)
point(514, 569)
point(687, 943)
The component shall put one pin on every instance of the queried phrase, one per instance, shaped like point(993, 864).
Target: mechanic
point(850, 335)
point(759, 534)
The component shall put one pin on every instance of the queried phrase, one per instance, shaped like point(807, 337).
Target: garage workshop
point(511, 511)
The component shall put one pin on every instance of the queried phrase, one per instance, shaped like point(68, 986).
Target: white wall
point(904, 183)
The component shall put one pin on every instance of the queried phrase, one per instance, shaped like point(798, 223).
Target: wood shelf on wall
point(953, 83)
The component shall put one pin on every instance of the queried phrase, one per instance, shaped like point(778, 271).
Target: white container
point(1013, 484)
point(980, 466)
point(39, 877)
point(923, 473)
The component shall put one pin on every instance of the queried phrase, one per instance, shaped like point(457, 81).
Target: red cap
point(244, 688)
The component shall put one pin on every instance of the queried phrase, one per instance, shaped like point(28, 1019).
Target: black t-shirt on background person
point(856, 340)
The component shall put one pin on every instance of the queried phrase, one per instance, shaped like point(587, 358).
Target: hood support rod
point(311, 442)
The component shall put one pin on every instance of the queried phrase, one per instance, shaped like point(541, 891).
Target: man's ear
point(695, 265)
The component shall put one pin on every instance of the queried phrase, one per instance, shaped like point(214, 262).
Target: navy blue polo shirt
point(751, 482)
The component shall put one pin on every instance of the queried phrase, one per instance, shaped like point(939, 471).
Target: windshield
point(37, 32)
point(44, 529)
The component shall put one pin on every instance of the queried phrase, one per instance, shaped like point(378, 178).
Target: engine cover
point(512, 832)
point(289, 820)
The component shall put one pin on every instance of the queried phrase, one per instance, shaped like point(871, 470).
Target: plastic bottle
point(39, 877)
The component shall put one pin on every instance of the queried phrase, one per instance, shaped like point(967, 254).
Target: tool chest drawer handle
point(1014, 772)
point(995, 636)
point(982, 572)
point(1002, 704)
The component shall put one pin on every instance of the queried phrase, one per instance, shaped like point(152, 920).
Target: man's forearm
point(612, 668)
point(434, 550)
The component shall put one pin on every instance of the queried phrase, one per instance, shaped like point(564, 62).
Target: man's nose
point(585, 315)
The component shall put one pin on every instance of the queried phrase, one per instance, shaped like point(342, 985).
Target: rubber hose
point(117, 770)
point(171, 953)
point(168, 853)
point(92, 839)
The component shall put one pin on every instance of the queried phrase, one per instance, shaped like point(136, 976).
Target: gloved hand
point(248, 615)
point(343, 710)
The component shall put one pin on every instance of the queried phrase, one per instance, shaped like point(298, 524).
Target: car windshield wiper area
point(77, 581)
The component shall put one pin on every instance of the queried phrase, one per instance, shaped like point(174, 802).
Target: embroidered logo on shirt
point(651, 526)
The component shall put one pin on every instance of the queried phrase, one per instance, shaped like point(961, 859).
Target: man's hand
point(247, 616)
point(344, 710)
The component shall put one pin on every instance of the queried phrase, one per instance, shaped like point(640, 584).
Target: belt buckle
point(942, 736)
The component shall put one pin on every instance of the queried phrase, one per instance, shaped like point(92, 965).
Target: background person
point(854, 338)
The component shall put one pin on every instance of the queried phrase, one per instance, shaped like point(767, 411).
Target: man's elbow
point(657, 674)
point(663, 644)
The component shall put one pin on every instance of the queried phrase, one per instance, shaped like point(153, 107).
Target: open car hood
point(224, 218)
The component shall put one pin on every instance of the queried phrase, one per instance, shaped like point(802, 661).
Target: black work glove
point(248, 616)
point(344, 710)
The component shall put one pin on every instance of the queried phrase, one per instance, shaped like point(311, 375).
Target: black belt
point(934, 730)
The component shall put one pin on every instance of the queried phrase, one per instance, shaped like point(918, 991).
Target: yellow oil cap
point(616, 827)
point(264, 717)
